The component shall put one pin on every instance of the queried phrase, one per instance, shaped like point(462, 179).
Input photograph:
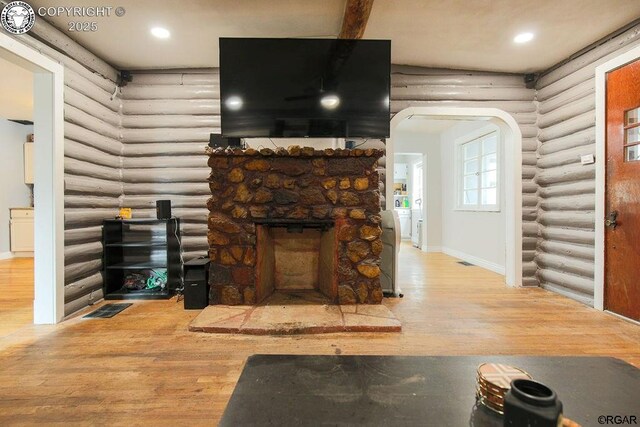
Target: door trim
point(601, 128)
point(48, 117)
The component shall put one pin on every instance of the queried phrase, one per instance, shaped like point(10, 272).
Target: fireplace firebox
point(296, 256)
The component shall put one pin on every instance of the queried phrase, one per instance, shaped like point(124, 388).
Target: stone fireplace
point(294, 220)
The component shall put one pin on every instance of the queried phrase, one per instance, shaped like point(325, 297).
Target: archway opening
point(460, 126)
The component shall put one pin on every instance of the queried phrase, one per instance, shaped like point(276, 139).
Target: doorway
point(417, 201)
point(16, 198)
point(618, 186)
point(509, 206)
point(48, 165)
point(408, 195)
point(627, 212)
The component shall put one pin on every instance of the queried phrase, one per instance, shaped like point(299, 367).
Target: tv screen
point(304, 87)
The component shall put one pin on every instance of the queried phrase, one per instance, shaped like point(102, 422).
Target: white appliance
point(416, 234)
point(404, 217)
point(418, 241)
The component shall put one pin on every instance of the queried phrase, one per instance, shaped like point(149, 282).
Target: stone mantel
point(295, 151)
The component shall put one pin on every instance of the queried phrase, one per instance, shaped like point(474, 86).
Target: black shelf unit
point(140, 244)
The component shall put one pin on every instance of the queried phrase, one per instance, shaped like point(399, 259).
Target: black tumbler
point(530, 403)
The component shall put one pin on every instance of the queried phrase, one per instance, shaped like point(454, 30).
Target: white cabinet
point(22, 231)
point(400, 171)
point(28, 163)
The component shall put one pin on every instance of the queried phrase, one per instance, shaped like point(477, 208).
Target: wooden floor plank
point(16, 294)
point(143, 367)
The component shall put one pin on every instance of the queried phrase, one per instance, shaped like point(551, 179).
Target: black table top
point(415, 390)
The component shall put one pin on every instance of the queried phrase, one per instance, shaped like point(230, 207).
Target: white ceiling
point(478, 34)
point(16, 92)
point(467, 34)
point(195, 27)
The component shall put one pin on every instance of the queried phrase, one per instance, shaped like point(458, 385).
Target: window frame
point(477, 135)
point(626, 147)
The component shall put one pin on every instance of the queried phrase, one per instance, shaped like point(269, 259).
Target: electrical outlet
point(587, 159)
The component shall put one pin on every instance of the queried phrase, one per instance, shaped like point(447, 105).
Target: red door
point(622, 197)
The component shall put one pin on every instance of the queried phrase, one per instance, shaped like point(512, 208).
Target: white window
point(478, 173)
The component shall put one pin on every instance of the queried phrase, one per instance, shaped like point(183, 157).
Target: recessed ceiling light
point(523, 37)
point(161, 33)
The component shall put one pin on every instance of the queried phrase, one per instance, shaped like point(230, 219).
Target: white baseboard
point(475, 260)
point(26, 254)
point(6, 255)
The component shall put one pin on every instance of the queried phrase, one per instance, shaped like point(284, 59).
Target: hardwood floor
point(16, 294)
point(142, 367)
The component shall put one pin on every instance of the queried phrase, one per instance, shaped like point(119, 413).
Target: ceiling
point(466, 34)
point(16, 92)
point(195, 27)
point(478, 34)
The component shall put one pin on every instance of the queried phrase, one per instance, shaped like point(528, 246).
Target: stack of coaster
point(493, 383)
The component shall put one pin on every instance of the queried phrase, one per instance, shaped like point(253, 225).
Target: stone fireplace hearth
point(294, 220)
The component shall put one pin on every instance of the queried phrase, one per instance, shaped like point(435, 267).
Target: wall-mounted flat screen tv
point(304, 87)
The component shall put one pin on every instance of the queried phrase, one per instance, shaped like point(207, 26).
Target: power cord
point(175, 232)
point(115, 93)
point(361, 144)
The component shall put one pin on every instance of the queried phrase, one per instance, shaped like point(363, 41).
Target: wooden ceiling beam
point(356, 15)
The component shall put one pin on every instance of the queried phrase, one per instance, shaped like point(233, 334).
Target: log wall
point(566, 194)
point(92, 160)
point(167, 118)
point(422, 87)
